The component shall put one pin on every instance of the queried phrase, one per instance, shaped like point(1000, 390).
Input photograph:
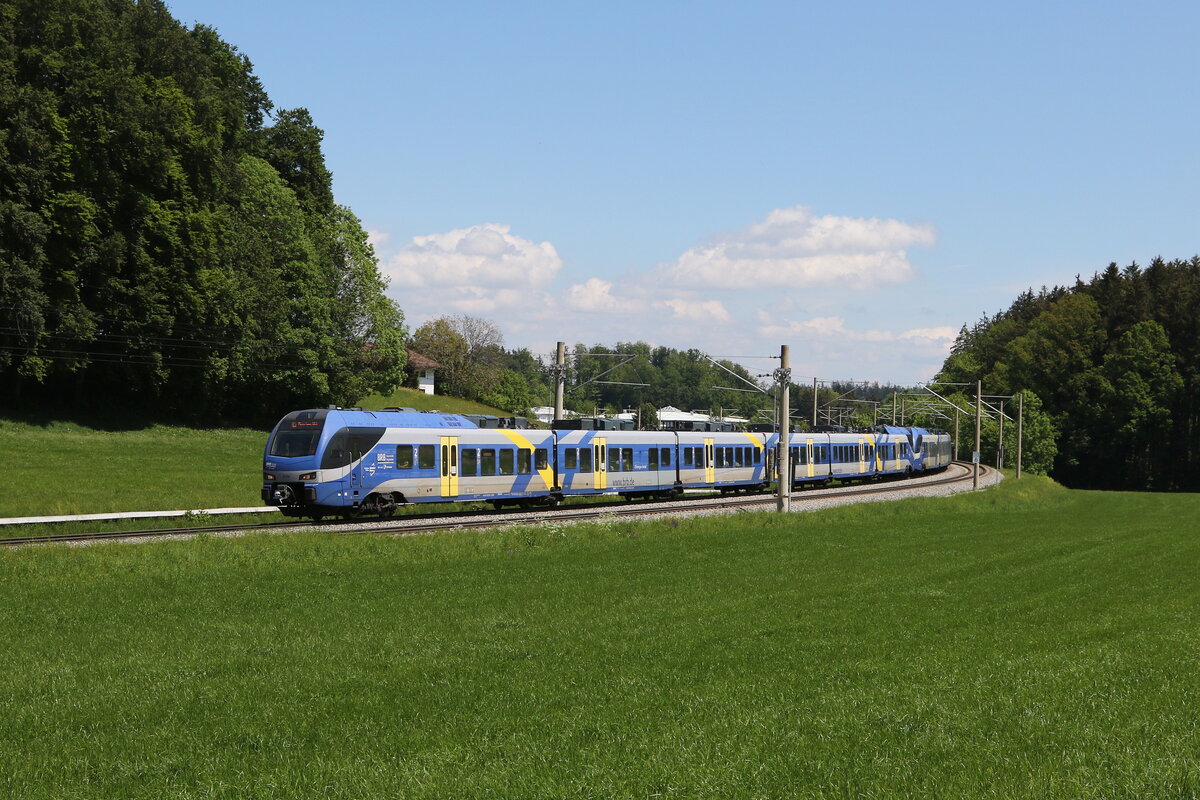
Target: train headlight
point(268, 476)
point(308, 476)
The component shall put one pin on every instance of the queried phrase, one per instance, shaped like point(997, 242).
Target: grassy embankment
point(67, 468)
point(1021, 642)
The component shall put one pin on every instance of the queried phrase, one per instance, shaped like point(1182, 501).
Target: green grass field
point(413, 398)
point(65, 468)
point(1020, 642)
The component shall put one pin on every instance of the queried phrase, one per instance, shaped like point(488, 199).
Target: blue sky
point(855, 180)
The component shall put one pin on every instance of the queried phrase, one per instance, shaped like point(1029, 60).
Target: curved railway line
point(957, 473)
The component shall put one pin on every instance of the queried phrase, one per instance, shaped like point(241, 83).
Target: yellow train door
point(710, 472)
point(600, 455)
point(449, 466)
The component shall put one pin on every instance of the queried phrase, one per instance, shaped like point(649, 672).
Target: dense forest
point(169, 241)
point(1114, 361)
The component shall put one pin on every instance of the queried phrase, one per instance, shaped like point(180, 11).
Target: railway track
point(958, 472)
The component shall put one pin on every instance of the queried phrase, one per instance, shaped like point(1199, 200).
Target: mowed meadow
point(1025, 641)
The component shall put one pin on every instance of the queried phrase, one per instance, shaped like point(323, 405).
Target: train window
point(614, 460)
point(470, 463)
point(688, 457)
point(720, 462)
point(294, 444)
point(653, 462)
point(801, 456)
point(585, 459)
point(524, 462)
point(666, 457)
point(541, 459)
point(571, 458)
point(729, 456)
point(757, 456)
point(404, 456)
point(506, 461)
point(699, 457)
point(426, 456)
point(627, 459)
point(487, 462)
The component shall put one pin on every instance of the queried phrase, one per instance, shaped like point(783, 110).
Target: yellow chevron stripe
point(547, 474)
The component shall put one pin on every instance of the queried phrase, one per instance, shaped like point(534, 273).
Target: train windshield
point(298, 434)
point(295, 444)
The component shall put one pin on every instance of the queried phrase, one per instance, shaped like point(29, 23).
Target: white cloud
point(377, 239)
point(791, 247)
point(821, 328)
point(706, 311)
point(486, 255)
point(945, 333)
point(594, 295)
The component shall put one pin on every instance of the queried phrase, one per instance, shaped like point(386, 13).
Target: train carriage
point(496, 465)
point(721, 460)
point(630, 463)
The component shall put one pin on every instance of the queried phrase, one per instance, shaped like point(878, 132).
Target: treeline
point(607, 379)
point(1116, 363)
point(169, 241)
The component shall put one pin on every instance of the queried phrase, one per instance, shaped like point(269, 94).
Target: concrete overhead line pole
point(814, 423)
point(1000, 449)
point(560, 379)
point(956, 412)
point(783, 377)
point(978, 432)
point(1020, 429)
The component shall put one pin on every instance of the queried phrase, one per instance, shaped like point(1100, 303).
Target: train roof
point(388, 418)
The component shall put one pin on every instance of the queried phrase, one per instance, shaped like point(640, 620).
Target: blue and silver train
point(325, 462)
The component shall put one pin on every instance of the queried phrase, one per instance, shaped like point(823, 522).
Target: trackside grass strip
point(1024, 642)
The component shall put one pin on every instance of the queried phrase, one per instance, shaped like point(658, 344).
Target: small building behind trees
point(420, 371)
